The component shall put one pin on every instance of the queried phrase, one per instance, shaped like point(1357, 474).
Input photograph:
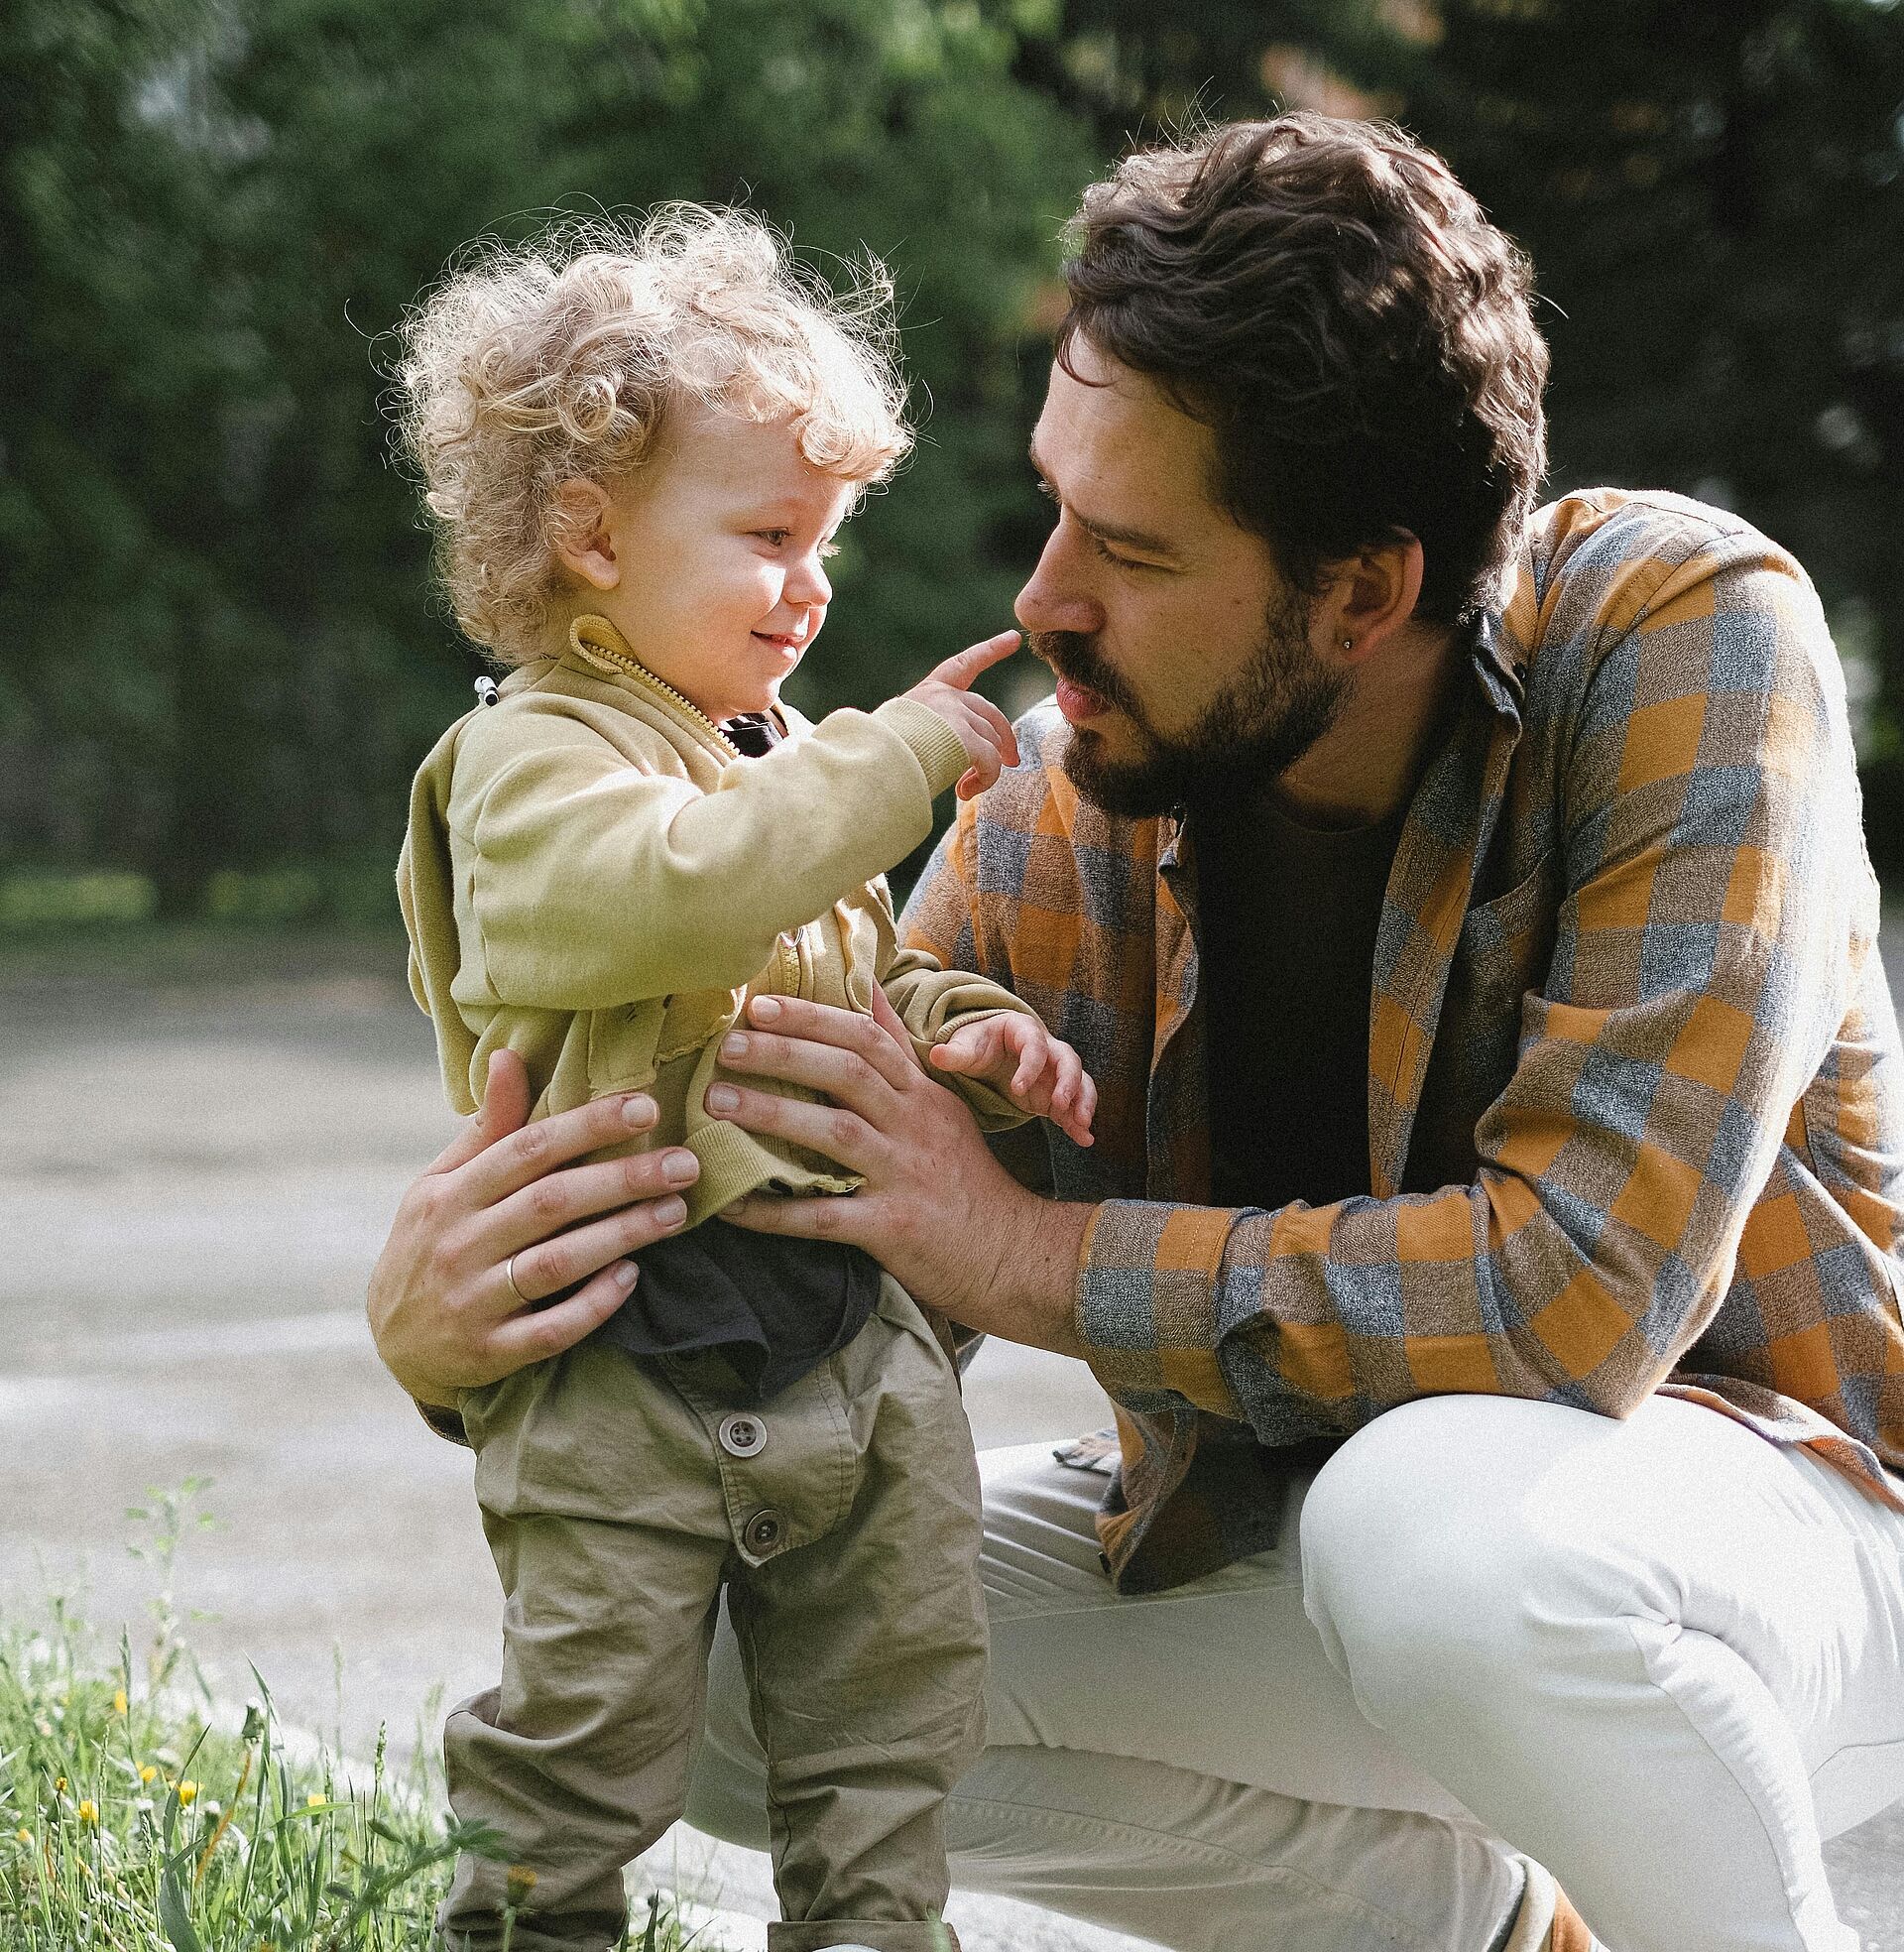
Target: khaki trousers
point(620, 1496)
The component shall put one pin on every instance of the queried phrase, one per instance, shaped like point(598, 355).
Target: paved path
point(197, 1165)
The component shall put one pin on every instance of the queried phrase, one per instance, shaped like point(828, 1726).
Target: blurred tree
point(219, 644)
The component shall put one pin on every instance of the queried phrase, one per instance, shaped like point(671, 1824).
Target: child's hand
point(984, 730)
point(1040, 1073)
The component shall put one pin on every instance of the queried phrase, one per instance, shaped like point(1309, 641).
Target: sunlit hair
point(531, 365)
point(1359, 337)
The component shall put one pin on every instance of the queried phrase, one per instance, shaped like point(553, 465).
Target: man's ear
point(1369, 598)
point(581, 532)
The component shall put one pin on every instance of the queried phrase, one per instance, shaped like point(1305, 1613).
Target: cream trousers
point(1663, 1657)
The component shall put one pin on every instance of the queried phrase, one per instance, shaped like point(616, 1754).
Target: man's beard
point(1259, 725)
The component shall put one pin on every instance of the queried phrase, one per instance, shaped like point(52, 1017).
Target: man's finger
point(839, 1134)
point(963, 666)
point(505, 1109)
point(548, 1266)
point(534, 1214)
point(893, 1050)
point(535, 1335)
point(824, 1217)
point(521, 1158)
point(882, 1040)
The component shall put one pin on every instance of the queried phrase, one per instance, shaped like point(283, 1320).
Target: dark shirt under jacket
point(1287, 916)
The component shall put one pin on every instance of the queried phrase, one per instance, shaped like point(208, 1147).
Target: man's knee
point(1420, 1570)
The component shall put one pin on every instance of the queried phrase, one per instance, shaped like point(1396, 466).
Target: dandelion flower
point(316, 1800)
point(118, 1701)
point(188, 1791)
point(24, 1834)
point(146, 1771)
point(89, 1811)
point(58, 1785)
point(521, 1881)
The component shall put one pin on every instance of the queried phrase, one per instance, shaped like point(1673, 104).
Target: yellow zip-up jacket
point(595, 878)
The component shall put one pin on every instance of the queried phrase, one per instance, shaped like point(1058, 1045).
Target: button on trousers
point(621, 1496)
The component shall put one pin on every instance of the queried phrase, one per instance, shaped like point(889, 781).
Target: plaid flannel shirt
point(1636, 1084)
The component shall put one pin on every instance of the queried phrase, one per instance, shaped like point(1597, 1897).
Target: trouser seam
point(1773, 1837)
point(1398, 1929)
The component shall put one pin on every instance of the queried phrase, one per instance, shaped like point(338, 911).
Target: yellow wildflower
point(59, 1784)
point(146, 1771)
point(118, 1701)
point(316, 1800)
point(89, 1811)
point(186, 1792)
point(24, 1834)
point(521, 1881)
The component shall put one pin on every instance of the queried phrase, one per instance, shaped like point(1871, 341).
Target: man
point(1465, 914)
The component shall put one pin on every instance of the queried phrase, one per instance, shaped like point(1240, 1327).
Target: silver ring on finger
point(508, 1274)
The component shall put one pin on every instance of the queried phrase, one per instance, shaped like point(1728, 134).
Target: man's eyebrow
point(1110, 531)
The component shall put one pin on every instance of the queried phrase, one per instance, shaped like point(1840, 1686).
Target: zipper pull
point(486, 692)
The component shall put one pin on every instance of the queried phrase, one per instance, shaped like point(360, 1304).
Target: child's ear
point(581, 532)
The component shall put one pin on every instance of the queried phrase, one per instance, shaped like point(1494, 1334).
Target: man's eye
point(1121, 561)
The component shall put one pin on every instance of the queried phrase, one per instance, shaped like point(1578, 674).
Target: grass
point(136, 1817)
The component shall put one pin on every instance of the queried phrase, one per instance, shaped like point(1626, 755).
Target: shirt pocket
point(1503, 952)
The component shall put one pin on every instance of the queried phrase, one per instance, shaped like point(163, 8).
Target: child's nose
point(806, 583)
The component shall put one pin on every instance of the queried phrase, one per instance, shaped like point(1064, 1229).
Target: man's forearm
point(1031, 1296)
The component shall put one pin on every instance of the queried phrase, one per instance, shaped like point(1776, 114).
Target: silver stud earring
point(1347, 643)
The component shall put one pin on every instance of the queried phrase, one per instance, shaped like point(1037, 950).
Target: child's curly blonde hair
point(532, 365)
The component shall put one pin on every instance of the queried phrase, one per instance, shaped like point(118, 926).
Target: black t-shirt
point(1288, 917)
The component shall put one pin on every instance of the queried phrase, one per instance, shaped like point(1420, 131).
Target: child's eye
point(775, 536)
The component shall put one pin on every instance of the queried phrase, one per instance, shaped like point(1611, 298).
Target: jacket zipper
point(641, 672)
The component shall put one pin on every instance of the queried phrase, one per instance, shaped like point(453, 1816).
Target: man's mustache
point(1075, 656)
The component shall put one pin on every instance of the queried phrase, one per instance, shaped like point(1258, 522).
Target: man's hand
point(442, 1312)
point(937, 1210)
point(1017, 1056)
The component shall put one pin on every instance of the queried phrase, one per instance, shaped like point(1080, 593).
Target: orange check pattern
point(1635, 1083)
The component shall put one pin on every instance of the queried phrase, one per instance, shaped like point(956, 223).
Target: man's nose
point(1054, 599)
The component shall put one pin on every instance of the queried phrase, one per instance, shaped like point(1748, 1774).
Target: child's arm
point(984, 1043)
point(595, 883)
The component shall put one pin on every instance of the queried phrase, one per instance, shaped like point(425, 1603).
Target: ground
point(200, 1147)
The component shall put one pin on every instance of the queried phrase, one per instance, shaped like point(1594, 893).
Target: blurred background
point(221, 655)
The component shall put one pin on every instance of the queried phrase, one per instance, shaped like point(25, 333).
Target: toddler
point(637, 448)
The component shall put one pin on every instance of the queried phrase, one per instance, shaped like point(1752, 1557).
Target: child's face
point(709, 558)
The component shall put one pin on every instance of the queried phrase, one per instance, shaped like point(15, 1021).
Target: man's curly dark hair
point(1360, 339)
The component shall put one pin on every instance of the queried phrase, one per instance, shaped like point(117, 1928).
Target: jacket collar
point(595, 646)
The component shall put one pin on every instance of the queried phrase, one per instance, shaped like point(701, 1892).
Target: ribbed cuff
point(938, 749)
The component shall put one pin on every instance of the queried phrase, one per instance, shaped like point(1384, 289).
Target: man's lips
point(1077, 705)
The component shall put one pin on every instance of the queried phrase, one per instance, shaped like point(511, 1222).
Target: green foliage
point(221, 652)
point(222, 649)
point(134, 1818)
